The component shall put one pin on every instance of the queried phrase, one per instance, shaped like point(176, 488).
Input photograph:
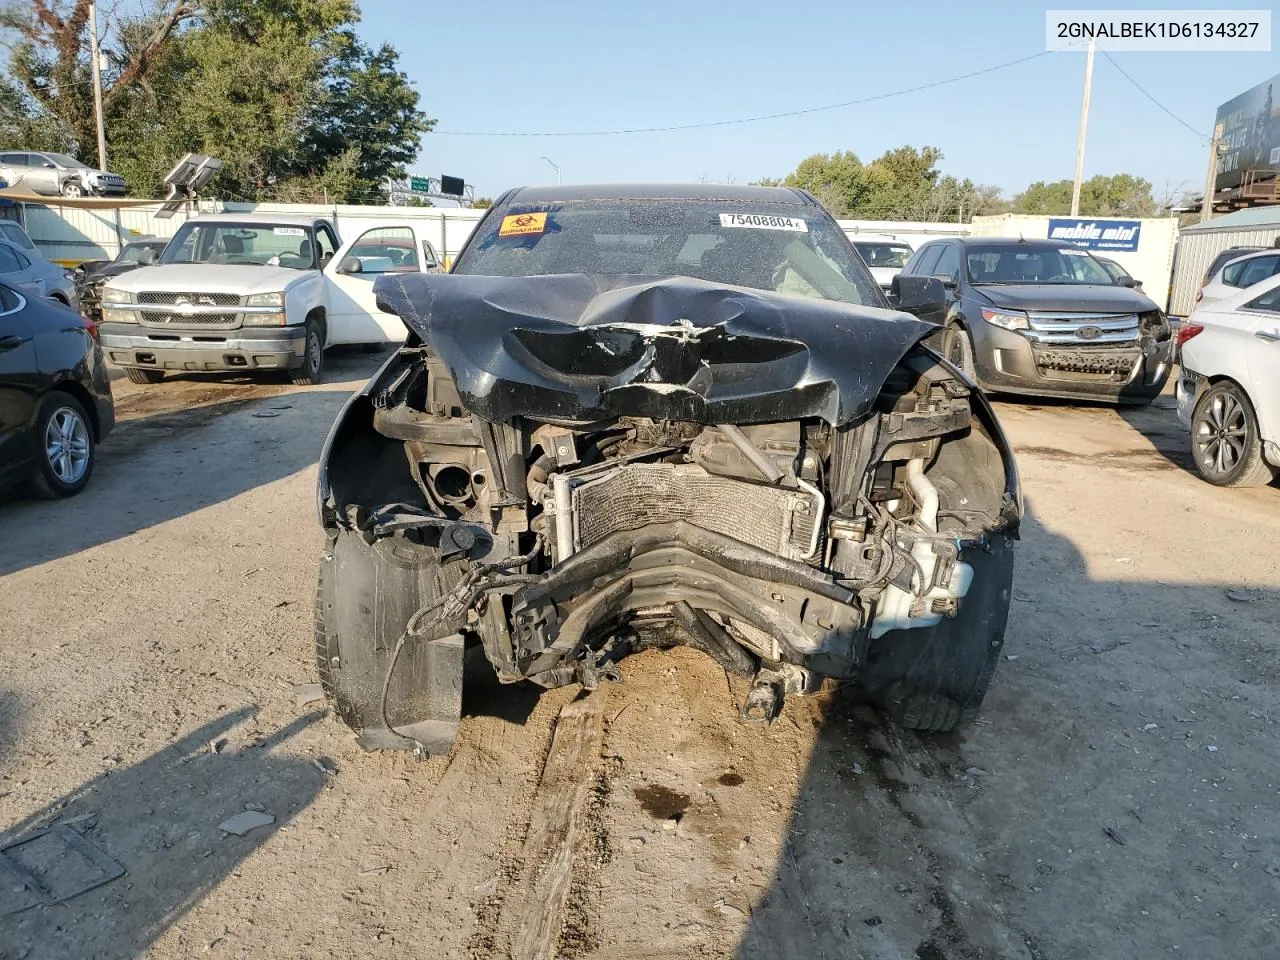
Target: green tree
point(282, 91)
point(482, 203)
point(1121, 195)
point(50, 71)
point(901, 184)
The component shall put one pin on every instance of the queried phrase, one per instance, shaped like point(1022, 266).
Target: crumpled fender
point(573, 347)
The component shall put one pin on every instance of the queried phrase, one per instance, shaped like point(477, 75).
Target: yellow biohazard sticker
point(520, 224)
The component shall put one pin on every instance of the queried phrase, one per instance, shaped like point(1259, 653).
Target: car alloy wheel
point(1221, 432)
point(66, 445)
point(314, 352)
point(72, 191)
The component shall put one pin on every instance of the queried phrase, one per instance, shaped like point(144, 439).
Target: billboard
point(1251, 131)
point(1095, 234)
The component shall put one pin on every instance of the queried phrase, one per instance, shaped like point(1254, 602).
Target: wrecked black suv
point(647, 416)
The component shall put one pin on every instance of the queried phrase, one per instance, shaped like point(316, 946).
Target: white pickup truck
point(243, 292)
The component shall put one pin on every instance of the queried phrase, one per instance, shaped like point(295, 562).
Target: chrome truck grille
point(637, 495)
point(163, 308)
point(1078, 329)
point(201, 299)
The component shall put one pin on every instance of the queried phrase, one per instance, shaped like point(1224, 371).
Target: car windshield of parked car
point(894, 255)
point(132, 252)
point(786, 248)
point(62, 160)
point(264, 244)
point(1019, 263)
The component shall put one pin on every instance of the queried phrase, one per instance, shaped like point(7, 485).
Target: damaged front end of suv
point(568, 469)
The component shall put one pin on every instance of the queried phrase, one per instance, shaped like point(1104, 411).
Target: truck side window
point(386, 250)
point(325, 244)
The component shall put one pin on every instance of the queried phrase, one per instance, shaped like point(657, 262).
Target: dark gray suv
point(1044, 318)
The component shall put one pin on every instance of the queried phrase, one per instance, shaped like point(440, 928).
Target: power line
point(1142, 90)
point(769, 116)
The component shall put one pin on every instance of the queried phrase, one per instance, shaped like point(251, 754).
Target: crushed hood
point(583, 348)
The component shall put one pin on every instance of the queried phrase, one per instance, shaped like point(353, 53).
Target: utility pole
point(94, 57)
point(556, 167)
point(1210, 178)
point(1084, 126)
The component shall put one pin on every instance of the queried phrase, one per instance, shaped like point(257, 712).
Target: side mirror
point(351, 265)
point(146, 257)
point(1127, 282)
point(926, 297)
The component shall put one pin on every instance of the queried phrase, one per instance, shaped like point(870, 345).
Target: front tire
point(1225, 442)
point(935, 678)
point(312, 369)
point(365, 596)
point(140, 375)
point(66, 444)
point(72, 190)
point(958, 348)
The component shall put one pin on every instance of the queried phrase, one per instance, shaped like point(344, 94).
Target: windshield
point(1021, 263)
point(264, 244)
point(786, 248)
point(893, 255)
point(133, 251)
point(62, 160)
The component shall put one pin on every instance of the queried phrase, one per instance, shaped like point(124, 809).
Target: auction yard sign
point(1094, 234)
point(1251, 132)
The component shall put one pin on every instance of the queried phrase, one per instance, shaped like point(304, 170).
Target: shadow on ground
point(1116, 798)
point(167, 465)
point(141, 817)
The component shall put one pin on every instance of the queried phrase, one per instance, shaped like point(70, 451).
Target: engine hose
point(711, 638)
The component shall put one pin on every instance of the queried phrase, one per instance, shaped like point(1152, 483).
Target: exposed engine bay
point(874, 508)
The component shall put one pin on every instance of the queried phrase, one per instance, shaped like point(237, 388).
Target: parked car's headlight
point(265, 300)
point(116, 295)
point(1009, 319)
point(118, 315)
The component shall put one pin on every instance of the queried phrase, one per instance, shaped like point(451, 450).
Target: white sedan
point(1229, 388)
point(1239, 274)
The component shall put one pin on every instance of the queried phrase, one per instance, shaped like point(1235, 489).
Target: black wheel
point(141, 375)
point(1224, 439)
point(958, 348)
point(934, 678)
point(312, 368)
point(66, 444)
point(365, 596)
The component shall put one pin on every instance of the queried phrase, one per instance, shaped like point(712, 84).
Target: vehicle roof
point(1030, 243)
point(285, 219)
point(658, 191)
point(1261, 252)
point(874, 238)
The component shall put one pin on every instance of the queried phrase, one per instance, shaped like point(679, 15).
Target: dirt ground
point(1116, 799)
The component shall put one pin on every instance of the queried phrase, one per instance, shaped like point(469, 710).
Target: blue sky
point(557, 66)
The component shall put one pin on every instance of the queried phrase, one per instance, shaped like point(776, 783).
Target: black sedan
point(55, 398)
point(1044, 318)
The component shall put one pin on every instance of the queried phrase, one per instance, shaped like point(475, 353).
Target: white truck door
point(350, 276)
